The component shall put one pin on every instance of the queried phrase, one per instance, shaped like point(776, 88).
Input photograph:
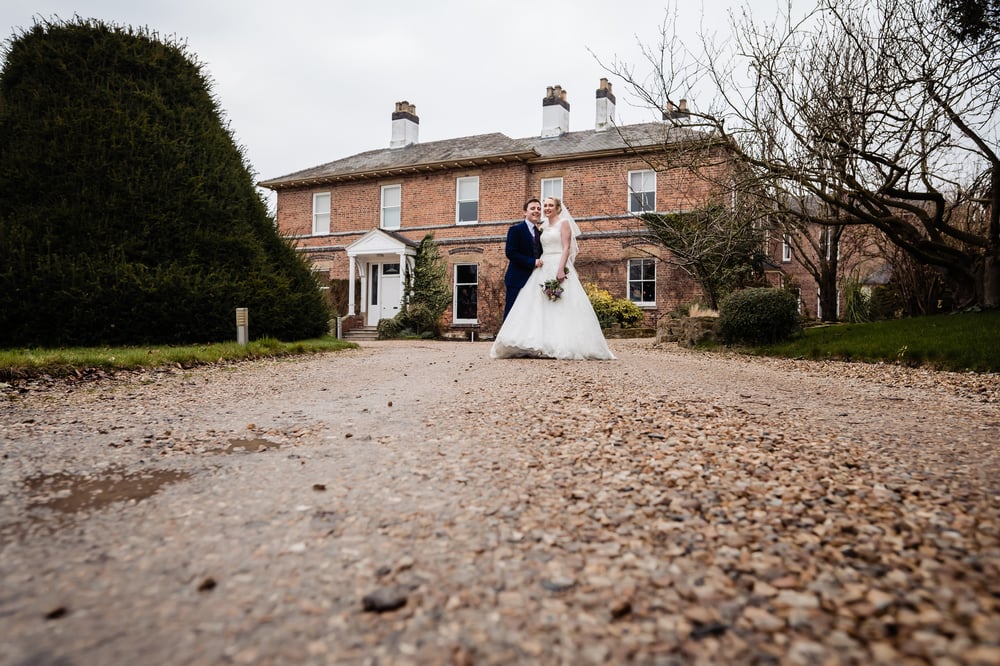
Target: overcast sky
point(304, 82)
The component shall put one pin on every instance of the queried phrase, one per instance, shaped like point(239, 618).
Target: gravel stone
point(669, 507)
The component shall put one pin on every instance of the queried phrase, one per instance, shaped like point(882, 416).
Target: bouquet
point(553, 288)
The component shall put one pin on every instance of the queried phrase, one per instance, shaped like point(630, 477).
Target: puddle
point(250, 445)
point(72, 493)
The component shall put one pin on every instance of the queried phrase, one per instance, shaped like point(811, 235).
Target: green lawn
point(965, 341)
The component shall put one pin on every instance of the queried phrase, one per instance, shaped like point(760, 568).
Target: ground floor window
point(642, 281)
point(466, 299)
point(795, 291)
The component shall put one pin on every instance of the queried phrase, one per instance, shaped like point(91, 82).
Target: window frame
point(459, 200)
point(644, 193)
point(398, 207)
point(786, 248)
point(455, 319)
point(317, 214)
point(641, 281)
point(545, 194)
point(828, 242)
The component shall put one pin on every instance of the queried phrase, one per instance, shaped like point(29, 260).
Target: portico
point(379, 259)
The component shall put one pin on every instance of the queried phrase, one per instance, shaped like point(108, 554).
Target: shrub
point(857, 303)
point(426, 291)
point(884, 303)
point(610, 310)
point(421, 318)
point(626, 312)
point(390, 328)
point(601, 301)
point(128, 212)
point(761, 315)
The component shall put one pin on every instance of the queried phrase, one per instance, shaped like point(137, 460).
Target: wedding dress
point(538, 327)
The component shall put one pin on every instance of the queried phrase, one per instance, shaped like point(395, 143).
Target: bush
point(128, 212)
point(626, 312)
point(756, 316)
point(426, 295)
point(601, 301)
point(857, 303)
point(389, 329)
point(426, 291)
point(884, 303)
point(422, 318)
point(611, 311)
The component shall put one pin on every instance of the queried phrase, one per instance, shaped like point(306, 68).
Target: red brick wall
point(595, 190)
point(859, 258)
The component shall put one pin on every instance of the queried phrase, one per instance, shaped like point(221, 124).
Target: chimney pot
point(673, 112)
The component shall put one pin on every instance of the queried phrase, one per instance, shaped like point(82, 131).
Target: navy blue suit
point(520, 253)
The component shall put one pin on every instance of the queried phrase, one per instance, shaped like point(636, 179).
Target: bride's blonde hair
point(558, 203)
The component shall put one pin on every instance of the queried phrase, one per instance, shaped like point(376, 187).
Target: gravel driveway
point(418, 503)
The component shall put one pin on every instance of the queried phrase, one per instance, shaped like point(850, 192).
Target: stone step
point(363, 333)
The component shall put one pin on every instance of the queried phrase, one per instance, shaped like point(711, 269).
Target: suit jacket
point(520, 251)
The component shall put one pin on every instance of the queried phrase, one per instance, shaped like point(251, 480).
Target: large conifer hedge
point(128, 213)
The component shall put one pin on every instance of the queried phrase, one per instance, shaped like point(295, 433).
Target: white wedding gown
point(563, 329)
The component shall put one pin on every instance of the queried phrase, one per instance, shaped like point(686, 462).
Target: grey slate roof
point(613, 139)
point(481, 149)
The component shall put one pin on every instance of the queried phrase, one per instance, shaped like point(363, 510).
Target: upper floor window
point(391, 198)
point(829, 244)
point(467, 195)
point(321, 213)
point(642, 191)
point(642, 281)
point(552, 187)
point(466, 294)
point(786, 248)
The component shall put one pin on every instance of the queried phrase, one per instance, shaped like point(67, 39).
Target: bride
point(552, 316)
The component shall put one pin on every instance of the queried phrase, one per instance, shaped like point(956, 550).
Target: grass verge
point(76, 361)
point(960, 342)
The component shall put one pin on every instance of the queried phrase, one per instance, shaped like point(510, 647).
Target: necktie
point(538, 241)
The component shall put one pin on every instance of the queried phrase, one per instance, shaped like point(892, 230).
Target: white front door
point(385, 292)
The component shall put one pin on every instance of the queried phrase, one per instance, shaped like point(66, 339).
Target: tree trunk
point(828, 296)
point(991, 282)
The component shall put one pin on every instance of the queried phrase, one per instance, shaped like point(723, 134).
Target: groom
point(523, 251)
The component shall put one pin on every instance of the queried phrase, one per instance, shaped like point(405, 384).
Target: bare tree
point(872, 110)
point(715, 246)
point(828, 251)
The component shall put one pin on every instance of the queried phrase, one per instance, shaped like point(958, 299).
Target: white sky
point(304, 82)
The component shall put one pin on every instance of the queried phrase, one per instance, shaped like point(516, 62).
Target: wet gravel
point(418, 503)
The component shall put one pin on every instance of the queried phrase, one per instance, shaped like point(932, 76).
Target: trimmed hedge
point(758, 316)
point(128, 214)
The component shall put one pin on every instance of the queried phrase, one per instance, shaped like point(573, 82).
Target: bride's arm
point(565, 234)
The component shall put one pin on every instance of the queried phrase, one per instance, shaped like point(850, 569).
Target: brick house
point(359, 219)
point(845, 253)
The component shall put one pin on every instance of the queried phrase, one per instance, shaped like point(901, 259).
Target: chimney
point(405, 125)
point(674, 112)
point(605, 107)
point(555, 112)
